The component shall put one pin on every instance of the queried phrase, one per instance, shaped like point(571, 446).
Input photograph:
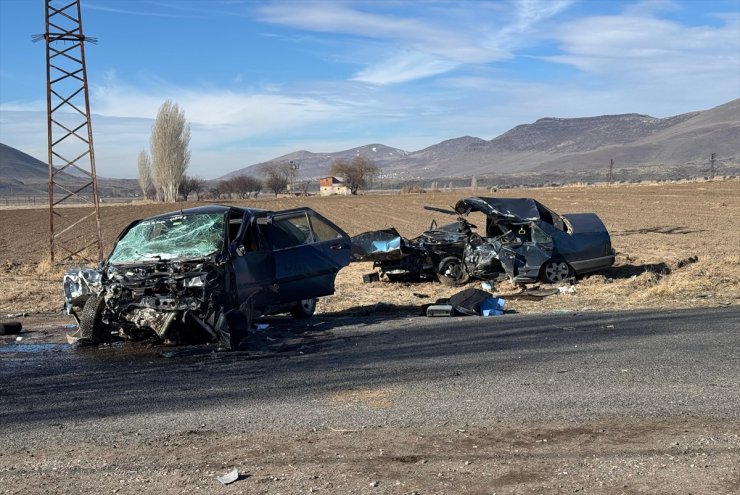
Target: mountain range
point(23, 175)
point(552, 144)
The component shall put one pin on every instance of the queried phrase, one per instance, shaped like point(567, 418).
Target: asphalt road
point(346, 373)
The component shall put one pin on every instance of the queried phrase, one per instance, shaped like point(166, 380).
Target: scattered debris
point(420, 296)
point(371, 277)
point(16, 315)
point(11, 328)
point(493, 306)
point(533, 294)
point(567, 289)
point(471, 302)
point(229, 477)
point(73, 339)
point(523, 240)
point(686, 261)
point(440, 310)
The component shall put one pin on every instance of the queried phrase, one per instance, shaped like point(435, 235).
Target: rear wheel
point(555, 271)
point(92, 328)
point(304, 309)
point(452, 272)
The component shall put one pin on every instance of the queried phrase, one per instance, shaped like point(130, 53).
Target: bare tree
point(254, 186)
point(277, 177)
point(246, 185)
point(190, 185)
point(224, 188)
point(145, 174)
point(356, 173)
point(169, 147)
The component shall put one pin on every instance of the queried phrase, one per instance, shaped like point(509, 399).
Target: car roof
point(201, 210)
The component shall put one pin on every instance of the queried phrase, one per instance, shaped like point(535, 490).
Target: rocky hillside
point(23, 175)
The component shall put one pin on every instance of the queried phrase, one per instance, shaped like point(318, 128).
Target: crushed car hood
point(377, 245)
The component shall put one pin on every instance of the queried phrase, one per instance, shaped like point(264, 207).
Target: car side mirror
point(240, 250)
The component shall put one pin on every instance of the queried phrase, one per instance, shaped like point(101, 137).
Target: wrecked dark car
point(202, 274)
point(523, 240)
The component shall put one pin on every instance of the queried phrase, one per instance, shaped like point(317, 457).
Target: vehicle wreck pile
point(523, 241)
point(202, 274)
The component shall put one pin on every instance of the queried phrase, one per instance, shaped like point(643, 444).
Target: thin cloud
point(426, 48)
point(528, 15)
point(644, 47)
point(408, 66)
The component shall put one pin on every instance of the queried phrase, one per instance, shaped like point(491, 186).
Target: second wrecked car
point(202, 274)
point(523, 239)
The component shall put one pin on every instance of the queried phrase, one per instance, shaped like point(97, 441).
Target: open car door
point(308, 251)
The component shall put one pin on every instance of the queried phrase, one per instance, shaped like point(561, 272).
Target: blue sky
point(259, 79)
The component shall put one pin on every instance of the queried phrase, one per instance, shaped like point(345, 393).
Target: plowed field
point(653, 227)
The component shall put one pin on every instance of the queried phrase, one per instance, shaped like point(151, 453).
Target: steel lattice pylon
point(72, 177)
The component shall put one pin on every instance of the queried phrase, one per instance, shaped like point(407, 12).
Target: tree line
point(163, 168)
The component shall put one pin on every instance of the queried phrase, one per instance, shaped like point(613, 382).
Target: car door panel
point(254, 267)
point(308, 251)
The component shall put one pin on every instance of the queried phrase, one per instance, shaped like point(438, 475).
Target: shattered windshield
point(177, 236)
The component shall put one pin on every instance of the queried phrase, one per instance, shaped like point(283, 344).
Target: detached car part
point(203, 274)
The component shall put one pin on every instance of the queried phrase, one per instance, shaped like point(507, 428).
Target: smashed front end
point(166, 279)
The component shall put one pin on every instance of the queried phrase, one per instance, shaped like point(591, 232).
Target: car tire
point(304, 309)
point(452, 272)
point(239, 326)
point(556, 271)
point(92, 328)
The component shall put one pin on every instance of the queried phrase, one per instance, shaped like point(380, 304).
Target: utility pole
point(72, 176)
point(711, 165)
point(294, 168)
point(610, 175)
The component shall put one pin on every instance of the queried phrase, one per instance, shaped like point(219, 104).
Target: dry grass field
point(653, 228)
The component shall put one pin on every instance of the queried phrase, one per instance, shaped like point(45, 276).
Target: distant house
point(329, 186)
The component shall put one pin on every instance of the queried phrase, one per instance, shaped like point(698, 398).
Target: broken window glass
point(178, 236)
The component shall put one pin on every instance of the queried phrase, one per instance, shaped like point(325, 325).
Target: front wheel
point(304, 309)
point(555, 271)
point(452, 272)
point(92, 327)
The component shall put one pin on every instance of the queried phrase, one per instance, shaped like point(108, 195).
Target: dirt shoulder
point(664, 455)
